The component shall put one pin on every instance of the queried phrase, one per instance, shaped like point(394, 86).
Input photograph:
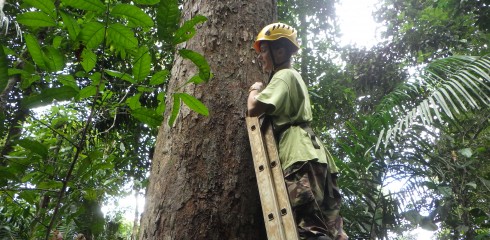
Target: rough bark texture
point(202, 183)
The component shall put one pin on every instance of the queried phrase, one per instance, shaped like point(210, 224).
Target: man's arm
point(255, 107)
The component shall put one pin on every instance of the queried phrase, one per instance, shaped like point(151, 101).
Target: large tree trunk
point(202, 183)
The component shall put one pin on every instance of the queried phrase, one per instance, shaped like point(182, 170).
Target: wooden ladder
point(276, 209)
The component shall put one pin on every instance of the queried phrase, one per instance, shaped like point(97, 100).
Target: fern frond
point(446, 88)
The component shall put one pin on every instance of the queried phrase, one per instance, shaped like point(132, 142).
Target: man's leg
point(316, 214)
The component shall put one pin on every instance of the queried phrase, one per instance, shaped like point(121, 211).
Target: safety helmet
point(276, 31)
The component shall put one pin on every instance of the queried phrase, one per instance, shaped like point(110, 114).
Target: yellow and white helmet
point(276, 31)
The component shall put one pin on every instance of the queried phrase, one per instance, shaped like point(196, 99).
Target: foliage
point(82, 95)
point(414, 181)
point(83, 89)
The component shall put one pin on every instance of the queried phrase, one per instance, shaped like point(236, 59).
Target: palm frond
point(446, 88)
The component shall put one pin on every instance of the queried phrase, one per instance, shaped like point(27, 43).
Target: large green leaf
point(50, 184)
point(168, 17)
point(159, 77)
point(29, 196)
point(7, 173)
point(134, 101)
point(47, 6)
point(92, 34)
point(147, 2)
point(87, 92)
point(35, 50)
point(28, 80)
point(89, 59)
point(120, 75)
point(121, 36)
point(36, 19)
point(89, 5)
point(4, 76)
point(135, 16)
point(71, 25)
point(193, 103)
point(187, 30)
point(161, 103)
point(142, 64)
point(34, 146)
point(55, 61)
point(68, 80)
point(48, 95)
point(148, 116)
point(200, 61)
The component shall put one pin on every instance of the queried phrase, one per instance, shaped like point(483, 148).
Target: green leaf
point(135, 16)
point(200, 61)
point(161, 103)
point(187, 30)
point(195, 79)
point(142, 64)
point(46, 6)
point(28, 196)
point(147, 116)
point(7, 173)
point(467, 152)
point(120, 75)
point(472, 184)
point(145, 89)
point(87, 91)
point(193, 103)
point(4, 75)
point(71, 25)
point(134, 102)
point(121, 36)
point(159, 77)
point(50, 184)
point(36, 19)
point(175, 110)
point(146, 2)
point(89, 59)
point(92, 34)
point(27, 81)
point(53, 58)
point(57, 40)
point(89, 5)
point(68, 80)
point(35, 50)
point(48, 95)
point(34, 146)
point(168, 17)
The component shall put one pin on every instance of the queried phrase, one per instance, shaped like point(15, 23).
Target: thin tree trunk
point(202, 183)
point(134, 234)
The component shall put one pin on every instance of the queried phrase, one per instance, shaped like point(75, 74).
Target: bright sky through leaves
point(356, 22)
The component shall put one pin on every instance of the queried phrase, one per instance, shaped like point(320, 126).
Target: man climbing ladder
point(309, 170)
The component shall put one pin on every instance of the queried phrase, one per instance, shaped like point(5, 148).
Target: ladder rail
point(277, 213)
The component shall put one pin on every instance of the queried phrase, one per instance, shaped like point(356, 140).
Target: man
point(309, 170)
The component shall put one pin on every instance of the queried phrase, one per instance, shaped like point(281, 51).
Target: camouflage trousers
point(315, 212)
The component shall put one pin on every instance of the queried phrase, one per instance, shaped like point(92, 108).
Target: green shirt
point(288, 95)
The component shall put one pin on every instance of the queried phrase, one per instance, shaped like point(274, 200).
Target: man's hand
point(256, 86)
point(255, 108)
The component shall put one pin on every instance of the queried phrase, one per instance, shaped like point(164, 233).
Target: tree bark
point(202, 182)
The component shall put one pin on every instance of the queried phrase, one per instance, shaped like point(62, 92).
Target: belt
point(304, 125)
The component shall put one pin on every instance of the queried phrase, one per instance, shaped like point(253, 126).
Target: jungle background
point(83, 88)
